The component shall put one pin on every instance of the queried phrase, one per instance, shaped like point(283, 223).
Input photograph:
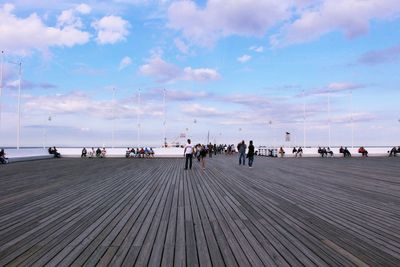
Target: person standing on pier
point(250, 154)
point(242, 152)
point(188, 153)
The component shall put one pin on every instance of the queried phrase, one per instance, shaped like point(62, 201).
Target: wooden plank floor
point(151, 212)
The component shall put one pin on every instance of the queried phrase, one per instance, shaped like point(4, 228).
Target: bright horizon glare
point(230, 70)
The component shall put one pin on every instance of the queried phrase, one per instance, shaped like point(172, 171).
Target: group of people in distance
point(98, 153)
point(201, 151)
point(146, 152)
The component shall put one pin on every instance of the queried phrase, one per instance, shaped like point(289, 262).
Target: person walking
point(250, 154)
point(203, 155)
point(188, 153)
point(242, 152)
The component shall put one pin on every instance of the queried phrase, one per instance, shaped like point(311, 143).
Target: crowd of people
point(200, 152)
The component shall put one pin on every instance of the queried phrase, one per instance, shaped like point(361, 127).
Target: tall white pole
point(1, 84)
point(165, 119)
point(113, 118)
point(329, 114)
point(138, 119)
point(19, 105)
point(352, 119)
point(304, 119)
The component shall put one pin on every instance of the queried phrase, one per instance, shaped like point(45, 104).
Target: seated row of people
point(98, 153)
point(324, 152)
point(298, 152)
point(146, 152)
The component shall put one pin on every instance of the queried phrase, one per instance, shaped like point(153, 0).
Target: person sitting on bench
point(299, 152)
point(363, 152)
point(281, 152)
point(3, 159)
point(329, 151)
point(322, 151)
point(394, 151)
point(103, 152)
point(98, 152)
point(84, 153)
point(346, 152)
point(53, 151)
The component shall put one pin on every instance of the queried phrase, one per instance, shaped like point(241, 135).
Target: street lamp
point(113, 118)
point(19, 101)
point(1, 82)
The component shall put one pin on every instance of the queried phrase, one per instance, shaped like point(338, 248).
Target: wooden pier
point(151, 212)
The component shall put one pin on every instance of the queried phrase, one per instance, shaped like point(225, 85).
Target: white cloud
point(184, 48)
point(201, 110)
point(83, 9)
point(352, 17)
point(220, 18)
point(167, 72)
point(244, 58)
point(258, 49)
point(125, 62)
point(160, 69)
point(33, 34)
point(69, 17)
point(111, 29)
point(202, 74)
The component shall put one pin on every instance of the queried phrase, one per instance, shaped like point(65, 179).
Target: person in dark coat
point(250, 154)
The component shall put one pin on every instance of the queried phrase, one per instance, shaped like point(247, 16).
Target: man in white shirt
point(188, 152)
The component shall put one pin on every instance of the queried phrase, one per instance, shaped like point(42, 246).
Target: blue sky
point(244, 69)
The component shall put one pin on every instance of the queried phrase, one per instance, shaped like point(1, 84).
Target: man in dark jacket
point(250, 154)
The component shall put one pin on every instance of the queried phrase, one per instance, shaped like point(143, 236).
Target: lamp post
point(113, 118)
point(45, 131)
point(1, 83)
point(329, 115)
point(165, 118)
point(19, 101)
point(138, 119)
point(351, 119)
point(304, 119)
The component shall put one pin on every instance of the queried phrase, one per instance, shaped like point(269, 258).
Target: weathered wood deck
point(285, 212)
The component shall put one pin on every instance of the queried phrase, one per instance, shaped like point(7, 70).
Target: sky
point(131, 72)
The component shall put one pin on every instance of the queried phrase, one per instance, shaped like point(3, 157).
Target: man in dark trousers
point(242, 152)
point(250, 154)
point(188, 153)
